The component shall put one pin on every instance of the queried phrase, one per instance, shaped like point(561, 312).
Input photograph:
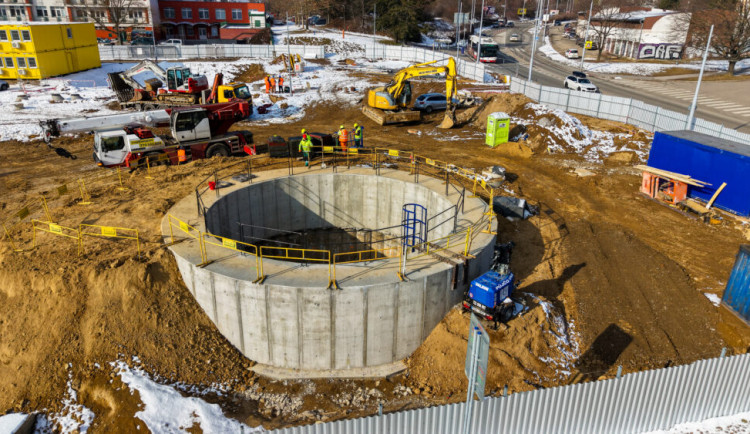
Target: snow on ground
point(573, 136)
point(166, 410)
point(735, 424)
point(73, 417)
point(713, 298)
point(635, 68)
point(11, 422)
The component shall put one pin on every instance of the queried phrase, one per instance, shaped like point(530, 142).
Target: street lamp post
point(481, 22)
point(700, 77)
point(586, 34)
point(533, 43)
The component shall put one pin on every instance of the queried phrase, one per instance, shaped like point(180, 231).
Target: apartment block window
point(21, 62)
point(9, 62)
point(32, 62)
point(236, 14)
point(169, 13)
point(26, 35)
point(41, 12)
point(203, 14)
point(70, 33)
point(14, 35)
point(187, 13)
point(135, 15)
point(3, 35)
point(80, 13)
point(3, 13)
point(17, 11)
point(56, 12)
point(221, 14)
point(190, 31)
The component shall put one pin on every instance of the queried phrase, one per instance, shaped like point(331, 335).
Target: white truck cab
point(111, 147)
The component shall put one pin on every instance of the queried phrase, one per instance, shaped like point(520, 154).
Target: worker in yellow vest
point(305, 146)
point(357, 136)
point(343, 138)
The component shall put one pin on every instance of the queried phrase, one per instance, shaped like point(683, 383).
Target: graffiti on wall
point(660, 51)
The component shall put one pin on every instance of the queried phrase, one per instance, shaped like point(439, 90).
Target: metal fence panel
point(638, 402)
point(205, 51)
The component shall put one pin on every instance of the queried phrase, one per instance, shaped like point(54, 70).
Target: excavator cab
point(177, 78)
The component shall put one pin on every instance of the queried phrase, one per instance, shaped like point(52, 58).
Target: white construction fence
point(206, 51)
point(627, 110)
point(635, 403)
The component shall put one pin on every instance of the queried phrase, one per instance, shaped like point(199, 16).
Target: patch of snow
point(72, 418)
point(166, 410)
point(713, 298)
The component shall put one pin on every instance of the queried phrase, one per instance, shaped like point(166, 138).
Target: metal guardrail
point(626, 110)
point(468, 69)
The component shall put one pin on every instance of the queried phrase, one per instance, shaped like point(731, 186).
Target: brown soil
point(250, 73)
point(620, 277)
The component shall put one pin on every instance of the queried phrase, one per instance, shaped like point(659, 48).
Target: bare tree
point(607, 16)
point(731, 21)
point(114, 13)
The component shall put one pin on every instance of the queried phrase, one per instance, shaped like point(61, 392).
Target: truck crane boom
point(55, 127)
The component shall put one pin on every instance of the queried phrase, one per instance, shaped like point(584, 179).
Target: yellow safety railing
point(55, 229)
point(110, 232)
point(228, 243)
point(188, 230)
point(361, 256)
point(297, 254)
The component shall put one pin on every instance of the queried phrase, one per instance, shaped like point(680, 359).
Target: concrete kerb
point(294, 327)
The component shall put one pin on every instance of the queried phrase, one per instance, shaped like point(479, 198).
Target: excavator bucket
point(449, 121)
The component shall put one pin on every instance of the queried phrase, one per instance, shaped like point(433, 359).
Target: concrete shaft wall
point(323, 201)
point(317, 328)
point(291, 320)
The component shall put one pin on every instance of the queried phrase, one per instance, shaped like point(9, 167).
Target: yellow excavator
point(391, 103)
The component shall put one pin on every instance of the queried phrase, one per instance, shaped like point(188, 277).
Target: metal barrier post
point(491, 213)
point(474, 189)
point(416, 172)
point(198, 202)
point(250, 169)
point(46, 209)
point(148, 169)
point(119, 178)
point(468, 242)
point(447, 180)
point(85, 196)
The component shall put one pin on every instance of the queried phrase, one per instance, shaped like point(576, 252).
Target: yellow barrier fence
point(111, 232)
point(298, 255)
point(228, 243)
point(188, 230)
point(364, 256)
point(55, 229)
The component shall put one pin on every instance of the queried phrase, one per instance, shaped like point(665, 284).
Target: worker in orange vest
point(268, 84)
point(273, 84)
point(281, 84)
point(343, 137)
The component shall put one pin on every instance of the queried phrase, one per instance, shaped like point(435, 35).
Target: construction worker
point(273, 83)
point(268, 84)
point(181, 155)
point(281, 84)
point(343, 138)
point(357, 135)
point(305, 146)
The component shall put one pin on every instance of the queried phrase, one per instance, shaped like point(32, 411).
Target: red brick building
point(184, 19)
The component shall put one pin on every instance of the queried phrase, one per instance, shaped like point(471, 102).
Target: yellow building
point(41, 50)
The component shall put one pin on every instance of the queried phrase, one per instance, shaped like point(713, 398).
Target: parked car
point(515, 37)
point(142, 41)
point(557, 23)
point(581, 84)
point(509, 24)
point(105, 41)
point(572, 53)
point(430, 102)
point(4, 85)
point(177, 42)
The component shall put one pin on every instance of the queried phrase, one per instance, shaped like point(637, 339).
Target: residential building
point(139, 16)
point(641, 33)
point(41, 50)
point(185, 19)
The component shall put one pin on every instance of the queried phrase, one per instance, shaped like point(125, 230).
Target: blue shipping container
point(707, 159)
point(737, 293)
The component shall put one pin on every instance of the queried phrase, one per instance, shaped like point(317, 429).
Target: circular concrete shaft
point(290, 322)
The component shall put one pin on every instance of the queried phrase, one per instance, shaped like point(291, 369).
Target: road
point(719, 102)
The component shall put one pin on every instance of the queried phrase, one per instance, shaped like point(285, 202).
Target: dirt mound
point(252, 72)
point(508, 103)
point(532, 349)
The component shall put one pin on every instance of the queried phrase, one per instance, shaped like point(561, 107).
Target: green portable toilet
point(498, 125)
